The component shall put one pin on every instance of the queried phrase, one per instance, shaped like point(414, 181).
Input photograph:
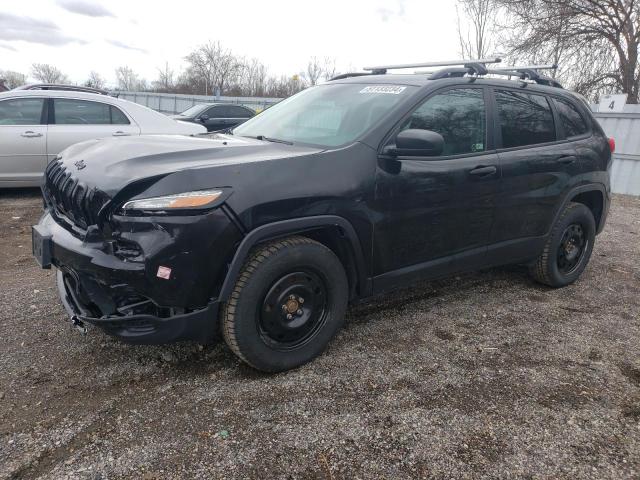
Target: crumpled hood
point(112, 163)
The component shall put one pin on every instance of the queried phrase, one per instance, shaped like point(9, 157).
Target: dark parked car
point(216, 116)
point(343, 191)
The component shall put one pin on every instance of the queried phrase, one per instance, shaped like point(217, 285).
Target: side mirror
point(204, 118)
point(416, 142)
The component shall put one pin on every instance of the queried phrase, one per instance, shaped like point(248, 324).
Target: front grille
point(70, 197)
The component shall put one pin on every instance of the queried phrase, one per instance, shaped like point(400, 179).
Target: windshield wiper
point(274, 140)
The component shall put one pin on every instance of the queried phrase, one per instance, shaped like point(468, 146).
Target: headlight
point(197, 199)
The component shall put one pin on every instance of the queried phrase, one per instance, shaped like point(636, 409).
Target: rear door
point(23, 140)
point(74, 120)
point(237, 115)
point(216, 118)
point(537, 164)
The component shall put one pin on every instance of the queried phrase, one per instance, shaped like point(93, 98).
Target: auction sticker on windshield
point(393, 89)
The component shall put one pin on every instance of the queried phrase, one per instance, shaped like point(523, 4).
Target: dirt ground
point(486, 375)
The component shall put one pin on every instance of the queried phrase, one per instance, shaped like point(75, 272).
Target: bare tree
point(128, 80)
point(254, 78)
point(95, 80)
point(13, 79)
point(313, 72)
point(216, 65)
point(165, 81)
point(476, 27)
point(46, 73)
point(597, 42)
point(329, 68)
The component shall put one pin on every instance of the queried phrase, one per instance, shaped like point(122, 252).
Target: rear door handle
point(567, 159)
point(120, 133)
point(30, 134)
point(484, 171)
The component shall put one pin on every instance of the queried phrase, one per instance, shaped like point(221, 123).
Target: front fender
point(289, 227)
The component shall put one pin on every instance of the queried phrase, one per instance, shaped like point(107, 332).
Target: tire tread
point(254, 260)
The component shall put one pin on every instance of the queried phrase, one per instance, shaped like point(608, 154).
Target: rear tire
point(568, 248)
point(287, 304)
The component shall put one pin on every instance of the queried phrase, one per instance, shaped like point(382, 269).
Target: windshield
point(327, 115)
point(196, 109)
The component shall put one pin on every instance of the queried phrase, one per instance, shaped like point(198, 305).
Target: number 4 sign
point(612, 103)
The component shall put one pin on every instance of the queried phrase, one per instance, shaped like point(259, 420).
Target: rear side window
point(525, 119)
point(239, 112)
point(117, 117)
point(84, 112)
point(21, 111)
point(217, 112)
point(571, 119)
point(458, 115)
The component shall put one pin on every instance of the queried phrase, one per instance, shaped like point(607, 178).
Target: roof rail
point(528, 72)
point(382, 69)
point(66, 88)
point(349, 75)
point(551, 66)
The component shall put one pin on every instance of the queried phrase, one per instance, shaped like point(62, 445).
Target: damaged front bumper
point(198, 325)
point(127, 297)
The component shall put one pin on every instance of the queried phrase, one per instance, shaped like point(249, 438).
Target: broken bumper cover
point(199, 325)
point(123, 297)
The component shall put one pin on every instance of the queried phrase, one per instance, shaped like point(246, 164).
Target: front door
point(23, 141)
point(435, 213)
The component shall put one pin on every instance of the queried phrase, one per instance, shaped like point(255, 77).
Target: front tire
point(568, 248)
point(287, 304)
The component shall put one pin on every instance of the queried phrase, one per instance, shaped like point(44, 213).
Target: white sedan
point(38, 123)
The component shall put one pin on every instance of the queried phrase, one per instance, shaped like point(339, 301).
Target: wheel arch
point(593, 196)
point(333, 231)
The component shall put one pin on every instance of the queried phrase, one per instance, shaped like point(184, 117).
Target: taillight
point(612, 145)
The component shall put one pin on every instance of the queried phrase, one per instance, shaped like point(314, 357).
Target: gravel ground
point(484, 375)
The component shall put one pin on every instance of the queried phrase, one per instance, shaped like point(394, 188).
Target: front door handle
point(567, 159)
point(31, 134)
point(120, 133)
point(484, 171)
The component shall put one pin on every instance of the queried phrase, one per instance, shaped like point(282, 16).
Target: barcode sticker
point(392, 89)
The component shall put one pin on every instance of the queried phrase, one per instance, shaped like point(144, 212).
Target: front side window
point(21, 111)
point(326, 115)
point(571, 119)
point(458, 115)
point(525, 119)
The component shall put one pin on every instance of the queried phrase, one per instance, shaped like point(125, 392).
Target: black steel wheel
point(288, 302)
point(572, 248)
point(293, 310)
point(568, 247)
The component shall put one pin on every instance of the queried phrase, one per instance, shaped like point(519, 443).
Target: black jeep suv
point(343, 191)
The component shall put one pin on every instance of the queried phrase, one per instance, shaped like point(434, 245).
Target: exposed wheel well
point(593, 201)
point(335, 239)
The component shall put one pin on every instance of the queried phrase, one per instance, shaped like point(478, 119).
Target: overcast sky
point(78, 36)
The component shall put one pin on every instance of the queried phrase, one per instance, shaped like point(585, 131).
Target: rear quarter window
point(571, 120)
